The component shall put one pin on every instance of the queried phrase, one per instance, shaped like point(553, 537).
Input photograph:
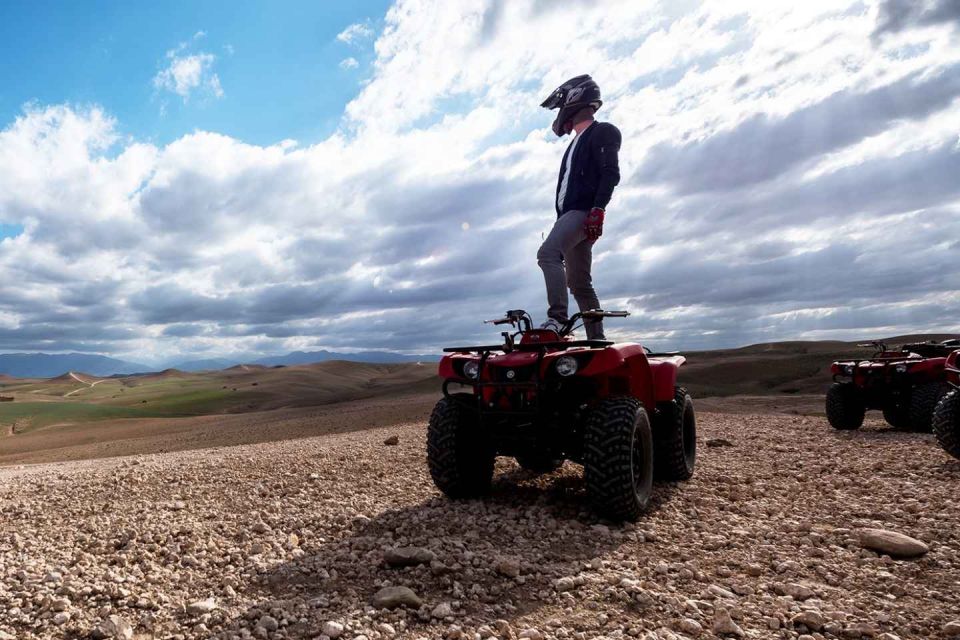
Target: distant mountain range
point(48, 365)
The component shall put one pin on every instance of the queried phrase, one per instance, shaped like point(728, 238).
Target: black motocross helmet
point(570, 97)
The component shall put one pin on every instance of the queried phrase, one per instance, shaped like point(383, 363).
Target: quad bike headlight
point(848, 370)
point(566, 366)
point(471, 369)
point(901, 368)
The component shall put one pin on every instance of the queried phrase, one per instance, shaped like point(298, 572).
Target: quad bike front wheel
point(675, 438)
point(845, 407)
point(923, 400)
point(618, 458)
point(897, 415)
point(459, 457)
point(946, 423)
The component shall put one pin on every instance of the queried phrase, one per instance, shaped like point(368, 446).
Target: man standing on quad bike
point(589, 172)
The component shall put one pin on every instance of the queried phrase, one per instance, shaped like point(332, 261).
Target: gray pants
point(565, 257)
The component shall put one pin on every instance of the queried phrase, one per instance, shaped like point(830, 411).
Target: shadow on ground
point(541, 522)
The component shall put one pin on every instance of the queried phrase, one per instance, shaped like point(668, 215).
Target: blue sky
point(279, 68)
point(183, 180)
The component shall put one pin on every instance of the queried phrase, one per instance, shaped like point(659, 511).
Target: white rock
point(719, 592)
point(442, 610)
point(530, 634)
point(61, 618)
point(202, 606)
point(723, 624)
point(892, 543)
point(690, 627)
point(332, 629)
point(565, 583)
point(113, 627)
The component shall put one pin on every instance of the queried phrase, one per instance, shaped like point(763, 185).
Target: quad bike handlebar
point(592, 314)
point(514, 317)
point(522, 318)
point(877, 345)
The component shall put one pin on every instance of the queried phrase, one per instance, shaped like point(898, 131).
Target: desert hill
point(146, 410)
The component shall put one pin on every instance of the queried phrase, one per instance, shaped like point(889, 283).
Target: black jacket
point(594, 169)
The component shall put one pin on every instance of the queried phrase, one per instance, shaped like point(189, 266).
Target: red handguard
point(593, 225)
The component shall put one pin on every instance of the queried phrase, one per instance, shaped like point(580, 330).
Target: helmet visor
point(559, 94)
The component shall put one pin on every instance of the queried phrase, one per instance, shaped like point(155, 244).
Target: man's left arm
point(606, 150)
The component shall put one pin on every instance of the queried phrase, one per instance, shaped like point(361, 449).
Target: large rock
point(723, 624)
point(202, 606)
point(408, 556)
point(393, 597)
point(798, 592)
point(113, 627)
point(892, 543)
point(812, 620)
point(268, 623)
point(509, 567)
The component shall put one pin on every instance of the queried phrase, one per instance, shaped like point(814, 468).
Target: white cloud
point(424, 212)
point(349, 63)
point(188, 74)
point(355, 33)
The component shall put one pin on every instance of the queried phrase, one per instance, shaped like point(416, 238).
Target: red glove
point(593, 225)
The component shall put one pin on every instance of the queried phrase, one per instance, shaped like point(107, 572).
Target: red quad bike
point(543, 397)
point(904, 383)
point(946, 416)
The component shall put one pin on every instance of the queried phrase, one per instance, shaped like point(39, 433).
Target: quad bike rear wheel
point(845, 407)
point(675, 438)
point(459, 457)
point(946, 423)
point(539, 462)
point(618, 458)
point(923, 400)
point(897, 415)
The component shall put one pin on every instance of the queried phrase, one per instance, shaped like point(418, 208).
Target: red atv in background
point(904, 383)
point(946, 415)
point(543, 397)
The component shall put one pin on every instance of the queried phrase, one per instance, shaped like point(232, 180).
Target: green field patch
point(198, 402)
point(28, 416)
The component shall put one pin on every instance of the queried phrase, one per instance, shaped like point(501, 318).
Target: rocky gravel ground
point(344, 536)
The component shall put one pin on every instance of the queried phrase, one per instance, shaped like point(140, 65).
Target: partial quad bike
point(543, 397)
point(904, 383)
point(946, 415)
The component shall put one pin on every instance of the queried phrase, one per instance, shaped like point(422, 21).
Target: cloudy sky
point(205, 181)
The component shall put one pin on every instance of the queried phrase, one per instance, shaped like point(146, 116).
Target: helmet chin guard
point(570, 97)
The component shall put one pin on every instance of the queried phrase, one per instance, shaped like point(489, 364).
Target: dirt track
point(293, 534)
